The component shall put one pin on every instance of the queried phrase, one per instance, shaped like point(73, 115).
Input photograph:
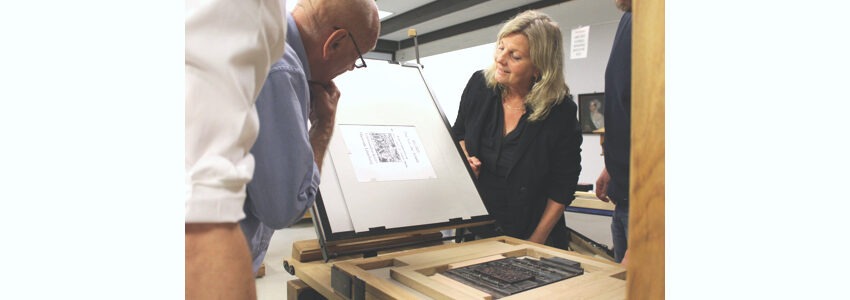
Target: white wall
point(587, 75)
point(447, 73)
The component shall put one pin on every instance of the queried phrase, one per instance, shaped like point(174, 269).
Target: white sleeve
point(230, 46)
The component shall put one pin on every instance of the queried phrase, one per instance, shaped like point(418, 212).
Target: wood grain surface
point(646, 217)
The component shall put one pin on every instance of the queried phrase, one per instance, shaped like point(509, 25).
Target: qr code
point(385, 147)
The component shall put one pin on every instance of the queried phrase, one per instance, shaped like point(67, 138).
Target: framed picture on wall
point(591, 112)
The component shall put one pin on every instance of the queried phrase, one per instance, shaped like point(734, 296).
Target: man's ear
point(332, 44)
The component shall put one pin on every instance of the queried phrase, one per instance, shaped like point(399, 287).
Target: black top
point(618, 112)
point(504, 149)
point(537, 161)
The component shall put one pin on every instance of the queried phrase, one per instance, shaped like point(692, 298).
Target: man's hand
point(602, 185)
point(323, 102)
point(625, 260)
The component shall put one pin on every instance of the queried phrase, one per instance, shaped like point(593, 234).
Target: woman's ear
point(331, 45)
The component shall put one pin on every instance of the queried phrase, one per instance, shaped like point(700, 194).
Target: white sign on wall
point(579, 42)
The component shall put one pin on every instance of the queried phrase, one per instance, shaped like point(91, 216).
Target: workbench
point(415, 273)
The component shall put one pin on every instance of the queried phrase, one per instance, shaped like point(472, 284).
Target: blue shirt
point(618, 112)
point(286, 177)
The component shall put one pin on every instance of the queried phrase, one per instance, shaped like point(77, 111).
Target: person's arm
point(324, 100)
point(625, 261)
point(472, 160)
point(563, 175)
point(602, 185)
point(459, 128)
point(551, 214)
point(218, 265)
point(224, 70)
point(286, 177)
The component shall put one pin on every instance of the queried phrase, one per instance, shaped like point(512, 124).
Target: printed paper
point(384, 153)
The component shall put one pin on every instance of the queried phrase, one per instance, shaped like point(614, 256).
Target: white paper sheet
point(385, 153)
point(580, 39)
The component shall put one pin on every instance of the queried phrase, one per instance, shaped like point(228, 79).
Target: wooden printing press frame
point(415, 273)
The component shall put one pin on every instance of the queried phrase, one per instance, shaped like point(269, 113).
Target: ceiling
point(435, 20)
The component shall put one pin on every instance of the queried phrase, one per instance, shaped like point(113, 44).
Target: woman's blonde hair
point(546, 49)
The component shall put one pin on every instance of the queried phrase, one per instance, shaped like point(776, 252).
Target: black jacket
point(618, 112)
point(548, 164)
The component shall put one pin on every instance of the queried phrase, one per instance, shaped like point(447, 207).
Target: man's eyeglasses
point(359, 53)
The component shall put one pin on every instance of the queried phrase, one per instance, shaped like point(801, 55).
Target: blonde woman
point(517, 126)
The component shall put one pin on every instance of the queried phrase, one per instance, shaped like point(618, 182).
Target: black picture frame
point(590, 122)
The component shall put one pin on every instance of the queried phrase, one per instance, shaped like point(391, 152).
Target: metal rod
point(412, 33)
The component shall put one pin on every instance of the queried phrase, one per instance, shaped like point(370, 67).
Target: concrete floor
point(273, 285)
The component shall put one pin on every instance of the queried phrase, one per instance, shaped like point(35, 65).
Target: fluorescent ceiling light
point(383, 14)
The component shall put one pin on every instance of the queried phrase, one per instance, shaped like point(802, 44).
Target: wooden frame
point(412, 275)
point(591, 114)
point(646, 222)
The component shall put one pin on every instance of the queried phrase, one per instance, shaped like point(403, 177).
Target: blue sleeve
point(286, 177)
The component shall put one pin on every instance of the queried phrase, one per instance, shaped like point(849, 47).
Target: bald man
point(324, 39)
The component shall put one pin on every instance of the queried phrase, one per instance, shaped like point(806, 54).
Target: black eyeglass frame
point(359, 53)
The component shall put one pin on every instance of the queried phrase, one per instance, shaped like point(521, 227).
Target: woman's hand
point(537, 238)
point(475, 164)
point(473, 161)
point(553, 212)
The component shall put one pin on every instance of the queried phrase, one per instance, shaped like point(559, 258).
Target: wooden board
point(585, 247)
point(318, 277)
point(415, 273)
point(646, 216)
point(309, 250)
point(299, 290)
point(589, 200)
point(409, 232)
